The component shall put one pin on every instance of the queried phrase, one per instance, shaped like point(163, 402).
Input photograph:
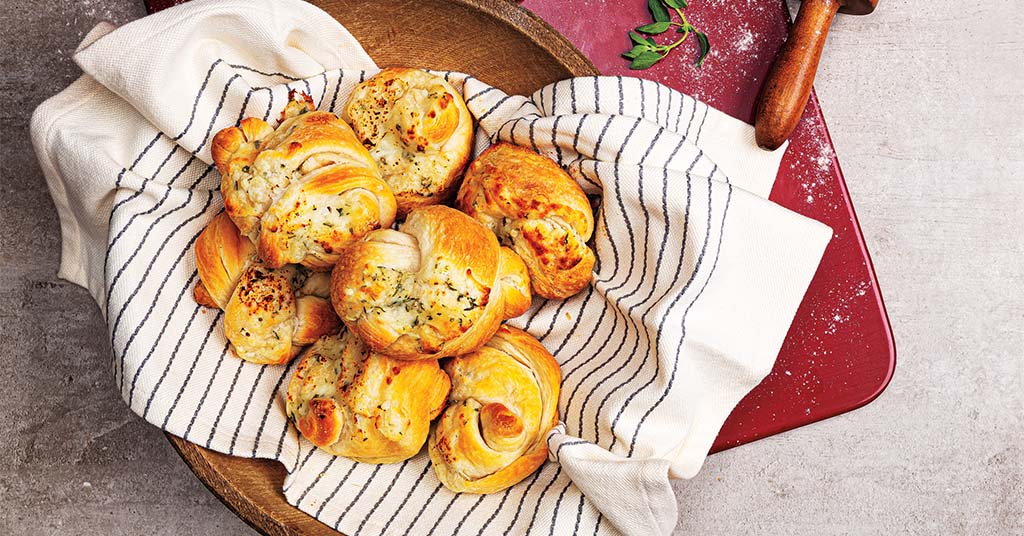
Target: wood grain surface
point(501, 44)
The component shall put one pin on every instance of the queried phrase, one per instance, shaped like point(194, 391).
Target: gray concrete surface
point(925, 104)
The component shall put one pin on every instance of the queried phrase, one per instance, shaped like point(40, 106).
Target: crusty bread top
point(438, 286)
point(536, 208)
point(503, 402)
point(302, 191)
point(418, 129)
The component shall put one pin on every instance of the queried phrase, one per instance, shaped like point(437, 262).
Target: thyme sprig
point(646, 51)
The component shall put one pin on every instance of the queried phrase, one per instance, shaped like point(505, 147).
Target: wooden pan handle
point(788, 86)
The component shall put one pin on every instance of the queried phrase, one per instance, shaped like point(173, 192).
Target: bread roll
point(303, 191)
point(503, 403)
point(352, 402)
point(269, 314)
point(438, 286)
point(538, 210)
point(418, 129)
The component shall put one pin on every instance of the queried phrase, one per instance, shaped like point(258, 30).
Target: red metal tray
point(839, 354)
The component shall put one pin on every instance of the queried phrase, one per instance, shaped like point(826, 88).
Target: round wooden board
point(499, 43)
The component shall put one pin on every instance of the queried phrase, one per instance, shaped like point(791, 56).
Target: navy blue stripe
point(323, 504)
point(675, 365)
point(160, 289)
point(443, 513)
point(334, 97)
point(270, 105)
point(302, 465)
point(536, 311)
point(558, 506)
point(188, 199)
point(693, 113)
point(250, 69)
point(330, 462)
point(137, 193)
point(484, 92)
point(170, 360)
point(362, 490)
point(467, 515)
point(227, 398)
point(494, 514)
point(543, 493)
point(622, 104)
point(702, 120)
point(216, 113)
point(582, 309)
point(266, 410)
point(522, 499)
point(245, 408)
point(202, 399)
point(554, 317)
point(195, 102)
point(422, 508)
point(160, 335)
point(181, 390)
point(408, 494)
point(579, 516)
point(495, 107)
point(661, 253)
point(380, 498)
point(323, 93)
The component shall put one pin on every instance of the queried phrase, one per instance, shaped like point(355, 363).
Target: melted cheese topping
point(418, 130)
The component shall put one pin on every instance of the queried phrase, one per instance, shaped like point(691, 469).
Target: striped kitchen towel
point(698, 275)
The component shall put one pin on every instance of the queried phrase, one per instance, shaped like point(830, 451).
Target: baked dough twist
point(355, 403)
point(503, 403)
point(437, 287)
point(538, 210)
point(303, 191)
point(269, 314)
point(418, 128)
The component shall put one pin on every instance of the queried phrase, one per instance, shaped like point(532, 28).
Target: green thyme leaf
point(658, 11)
point(637, 38)
point(645, 60)
point(677, 4)
point(635, 51)
point(705, 46)
point(654, 28)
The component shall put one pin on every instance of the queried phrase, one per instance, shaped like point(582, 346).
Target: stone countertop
point(924, 102)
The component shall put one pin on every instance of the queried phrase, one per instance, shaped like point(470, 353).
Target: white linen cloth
point(697, 281)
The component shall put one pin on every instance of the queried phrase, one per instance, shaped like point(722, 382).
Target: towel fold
point(697, 280)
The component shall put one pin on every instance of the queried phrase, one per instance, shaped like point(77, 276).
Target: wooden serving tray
point(839, 353)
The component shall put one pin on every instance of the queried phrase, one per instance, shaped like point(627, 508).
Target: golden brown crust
point(516, 281)
point(269, 314)
point(202, 296)
point(260, 318)
point(314, 318)
point(434, 288)
point(352, 402)
point(330, 206)
point(503, 403)
point(222, 253)
point(277, 191)
point(417, 127)
point(536, 208)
